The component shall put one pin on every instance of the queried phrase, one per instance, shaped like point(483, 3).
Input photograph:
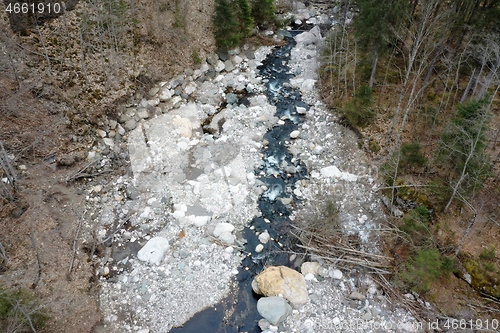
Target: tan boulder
point(281, 280)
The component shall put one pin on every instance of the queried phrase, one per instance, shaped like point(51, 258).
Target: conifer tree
point(263, 12)
point(227, 29)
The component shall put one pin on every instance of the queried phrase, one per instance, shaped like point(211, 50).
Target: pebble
point(295, 134)
point(259, 248)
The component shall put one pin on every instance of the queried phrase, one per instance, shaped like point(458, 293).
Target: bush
point(488, 254)
point(416, 226)
point(425, 267)
point(19, 312)
point(411, 155)
point(358, 111)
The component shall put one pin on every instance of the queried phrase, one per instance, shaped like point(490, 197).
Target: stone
point(109, 142)
point(330, 171)
point(212, 59)
point(154, 250)
point(237, 60)
point(301, 110)
point(264, 237)
point(231, 98)
point(335, 274)
point(101, 133)
point(310, 268)
point(307, 85)
point(219, 66)
point(259, 248)
point(312, 36)
point(355, 295)
point(130, 124)
point(281, 280)
point(223, 231)
point(143, 113)
point(274, 309)
point(228, 66)
point(165, 94)
point(295, 134)
point(190, 88)
point(153, 91)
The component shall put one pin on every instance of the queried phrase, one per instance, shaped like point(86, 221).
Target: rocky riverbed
point(171, 230)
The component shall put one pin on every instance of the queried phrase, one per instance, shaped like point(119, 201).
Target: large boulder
point(281, 280)
point(312, 36)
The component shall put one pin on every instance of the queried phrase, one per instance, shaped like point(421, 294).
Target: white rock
point(237, 59)
point(295, 134)
point(223, 227)
point(307, 85)
point(330, 171)
point(165, 94)
point(154, 250)
point(301, 110)
point(309, 268)
point(259, 248)
point(264, 237)
point(335, 274)
point(318, 150)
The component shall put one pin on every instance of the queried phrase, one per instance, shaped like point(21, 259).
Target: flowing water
point(279, 171)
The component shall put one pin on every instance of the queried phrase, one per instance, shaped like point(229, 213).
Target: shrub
point(416, 226)
point(488, 254)
point(19, 312)
point(358, 111)
point(425, 267)
point(411, 155)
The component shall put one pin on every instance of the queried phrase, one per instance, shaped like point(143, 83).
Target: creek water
point(279, 171)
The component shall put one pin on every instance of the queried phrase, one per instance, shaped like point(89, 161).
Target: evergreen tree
point(375, 25)
point(263, 12)
point(227, 28)
point(245, 17)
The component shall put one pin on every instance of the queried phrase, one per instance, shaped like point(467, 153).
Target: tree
point(463, 145)
point(263, 12)
point(227, 29)
point(374, 26)
point(245, 18)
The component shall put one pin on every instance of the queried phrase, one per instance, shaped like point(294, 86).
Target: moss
point(485, 276)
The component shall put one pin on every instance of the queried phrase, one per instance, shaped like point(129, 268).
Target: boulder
point(312, 36)
point(154, 250)
point(281, 280)
point(274, 309)
point(310, 268)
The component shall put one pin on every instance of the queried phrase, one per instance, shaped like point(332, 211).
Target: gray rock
point(143, 113)
point(274, 309)
point(130, 124)
point(219, 66)
point(223, 56)
point(229, 66)
point(355, 295)
point(153, 91)
point(231, 98)
point(132, 192)
point(212, 59)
